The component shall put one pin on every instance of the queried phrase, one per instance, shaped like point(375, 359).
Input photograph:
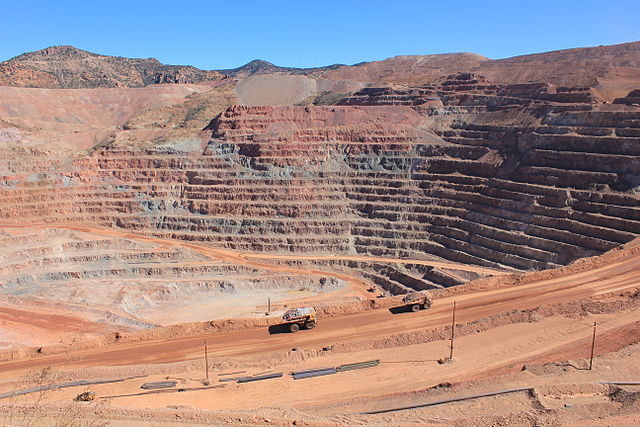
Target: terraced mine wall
point(519, 177)
point(123, 281)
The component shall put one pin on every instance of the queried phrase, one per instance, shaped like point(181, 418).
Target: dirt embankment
point(213, 327)
point(581, 265)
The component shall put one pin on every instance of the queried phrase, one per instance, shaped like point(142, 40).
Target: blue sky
point(225, 34)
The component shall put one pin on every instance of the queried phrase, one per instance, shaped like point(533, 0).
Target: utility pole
point(206, 364)
point(453, 330)
point(593, 345)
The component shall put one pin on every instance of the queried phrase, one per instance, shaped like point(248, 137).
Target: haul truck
point(302, 317)
point(417, 301)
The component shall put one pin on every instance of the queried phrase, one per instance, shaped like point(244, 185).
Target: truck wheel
point(426, 306)
point(294, 327)
point(310, 325)
point(415, 307)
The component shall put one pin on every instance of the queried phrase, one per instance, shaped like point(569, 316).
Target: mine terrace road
point(615, 276)
point(244, 259)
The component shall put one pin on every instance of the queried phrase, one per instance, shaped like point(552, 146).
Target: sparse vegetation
point(329, 98)
point(324, 98)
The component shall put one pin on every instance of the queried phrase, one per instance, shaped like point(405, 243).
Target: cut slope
point(117, 280)
point(462, 170)
point(418, 69)
point(614, 70)
point(275, 89)
point(452, 175)
point(559, 287)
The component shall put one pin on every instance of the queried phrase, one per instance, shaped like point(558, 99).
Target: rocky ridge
point(259, 66)
point(612, 71)
point(69, 67)
point(72, 68)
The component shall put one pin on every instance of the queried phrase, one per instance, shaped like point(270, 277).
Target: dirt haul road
point(618, 275)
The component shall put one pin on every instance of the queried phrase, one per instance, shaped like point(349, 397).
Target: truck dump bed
point(413, 297)
point(296, 313)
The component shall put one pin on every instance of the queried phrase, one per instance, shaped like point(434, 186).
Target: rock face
point(523, 176)
point(512, 176)
point(633, 98)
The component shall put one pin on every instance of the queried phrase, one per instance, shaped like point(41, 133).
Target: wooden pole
point(593, 345)
point(206, 363)
point(453, 330)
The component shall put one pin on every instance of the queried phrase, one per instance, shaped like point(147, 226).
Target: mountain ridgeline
point(71, 68)
point(612, 70)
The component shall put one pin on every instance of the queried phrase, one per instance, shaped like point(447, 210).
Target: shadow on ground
point(401, 309)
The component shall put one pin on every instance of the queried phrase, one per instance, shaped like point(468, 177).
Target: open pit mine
point(454, 240)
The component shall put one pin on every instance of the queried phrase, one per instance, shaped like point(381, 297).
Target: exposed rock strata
point(524, 176)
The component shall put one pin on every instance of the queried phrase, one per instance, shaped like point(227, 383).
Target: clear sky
point(216, 34)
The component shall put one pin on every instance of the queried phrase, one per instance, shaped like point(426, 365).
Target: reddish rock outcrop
point(468, 181)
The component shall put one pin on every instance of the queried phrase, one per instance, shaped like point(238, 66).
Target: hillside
point(259, 66)
point(410, 69)
point(613, 70)
point(72, 68)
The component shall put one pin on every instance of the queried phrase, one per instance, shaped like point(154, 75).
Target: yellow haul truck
point(417, 301)
point(297, 318)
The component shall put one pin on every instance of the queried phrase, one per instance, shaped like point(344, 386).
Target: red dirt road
point(615, 276)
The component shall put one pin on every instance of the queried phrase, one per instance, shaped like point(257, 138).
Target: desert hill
point(613, 70)
point(409, 69)
point(69, 67)
point(259, 66)
point(72, 68)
